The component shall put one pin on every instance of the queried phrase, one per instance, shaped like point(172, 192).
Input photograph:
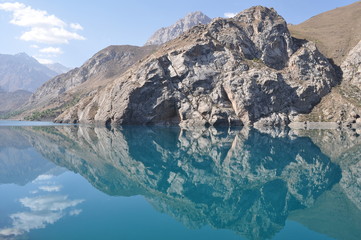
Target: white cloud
point(76, 26)
point(52, 50)
point(75, 212)
point(43, 27)
point(50, 188)
point(34, 46)
point(50, 35)
point(43, 177)
point(11, 6)
point(229, 14)
point(26, 16)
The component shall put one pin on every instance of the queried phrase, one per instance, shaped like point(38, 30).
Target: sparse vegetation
point(257, 60)
point(37, 116)
point(52, 112)
point(10, 114)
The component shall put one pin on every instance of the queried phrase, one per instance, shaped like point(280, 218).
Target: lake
point(83, 182)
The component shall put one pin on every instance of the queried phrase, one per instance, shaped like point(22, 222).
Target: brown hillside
point(335, 32)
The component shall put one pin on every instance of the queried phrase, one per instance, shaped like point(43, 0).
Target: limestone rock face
point(169, 33)
point(237, 71)
point(351, 67)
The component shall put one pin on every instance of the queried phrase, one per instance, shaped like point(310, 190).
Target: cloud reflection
point(50, 188)
point(49, 203)
point(43, 177)
point(44, 210)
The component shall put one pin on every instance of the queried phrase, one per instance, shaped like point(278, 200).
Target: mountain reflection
point(243, 180)
point(19, 162)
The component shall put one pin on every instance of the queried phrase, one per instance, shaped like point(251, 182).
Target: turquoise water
point(77, 182)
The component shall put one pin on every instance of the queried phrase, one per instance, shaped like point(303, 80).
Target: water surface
point(78, 182)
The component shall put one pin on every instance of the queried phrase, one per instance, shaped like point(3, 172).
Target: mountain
point(22, 72)
point(168, 33)
point(10, 101)
point(244, 70)
point(335, 32)
point(67, 89)
point(58, 68)
point(239, 71)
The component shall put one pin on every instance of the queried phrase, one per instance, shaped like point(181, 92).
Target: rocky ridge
point(169, 33)
point(239, 71)
point(66, 89)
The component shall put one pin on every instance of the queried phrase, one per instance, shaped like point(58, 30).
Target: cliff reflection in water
point(243, 180)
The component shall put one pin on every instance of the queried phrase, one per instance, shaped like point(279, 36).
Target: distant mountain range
point(20, 75)
point(22, 72)
point(58, 68)
point(168, 33)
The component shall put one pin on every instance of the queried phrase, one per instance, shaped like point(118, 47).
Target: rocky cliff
point(239, 71)
point(351, 67)
point(343, 104)
point(168, 33)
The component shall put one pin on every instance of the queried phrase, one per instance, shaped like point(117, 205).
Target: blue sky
point(70, 32)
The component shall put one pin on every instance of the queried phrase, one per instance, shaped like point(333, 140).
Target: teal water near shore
point(80, 182)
